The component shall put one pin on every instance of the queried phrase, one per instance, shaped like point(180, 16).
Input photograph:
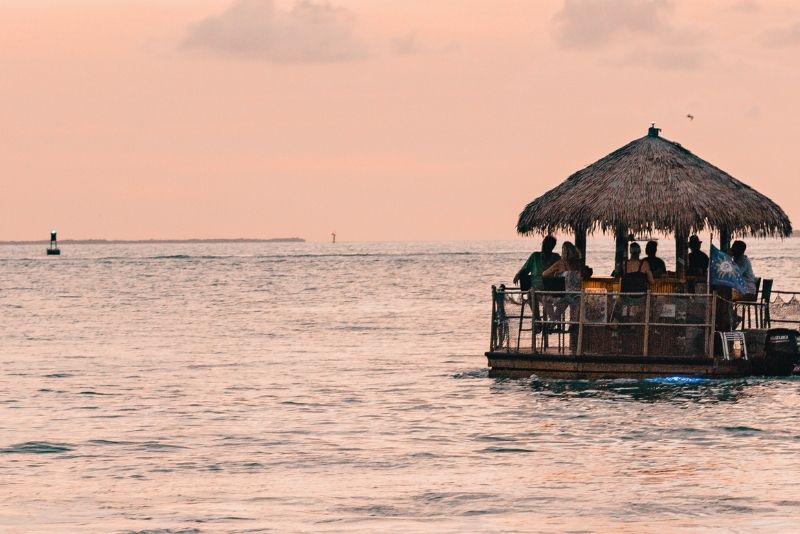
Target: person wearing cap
point(698, 260)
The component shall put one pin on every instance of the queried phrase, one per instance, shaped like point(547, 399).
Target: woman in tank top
point(636, 273)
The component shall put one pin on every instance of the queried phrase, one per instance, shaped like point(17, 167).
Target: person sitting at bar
point(569, 265)
point(656, 264)
point(571, 268)
point(530, 275)
point(698, 260)
point(636, 274)
point(745, 268)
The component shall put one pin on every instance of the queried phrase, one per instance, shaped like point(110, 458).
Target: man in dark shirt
point(657, 265)
point(698, 260)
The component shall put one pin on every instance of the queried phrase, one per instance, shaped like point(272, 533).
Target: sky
point(379, 120)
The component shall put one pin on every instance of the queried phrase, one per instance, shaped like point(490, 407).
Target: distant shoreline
point(154, 241)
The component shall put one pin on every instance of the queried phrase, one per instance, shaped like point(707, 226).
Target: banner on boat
point(725, 272)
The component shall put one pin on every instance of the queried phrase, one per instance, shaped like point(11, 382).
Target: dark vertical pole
point(621, 253)
point(580, 241)
point(724, 308)
point(712, 324)
point(493, 335)
point(724, 239)
point(680, 254)
point(579, 348)
point(533, 322)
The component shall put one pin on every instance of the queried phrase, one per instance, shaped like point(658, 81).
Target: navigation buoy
point(53, 250)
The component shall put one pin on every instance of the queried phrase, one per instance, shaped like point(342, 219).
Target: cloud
point(782, 37)
point(630, 32)
point(407, 44)
point(310, 32)
point(592, 23)
point(745, 6)
point(665, 59)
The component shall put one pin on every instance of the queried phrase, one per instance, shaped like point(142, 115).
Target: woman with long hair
point(570, 266)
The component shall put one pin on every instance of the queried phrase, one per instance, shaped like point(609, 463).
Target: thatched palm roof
point(653, 184)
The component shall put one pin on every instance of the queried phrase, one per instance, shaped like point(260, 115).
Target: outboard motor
point(781, 353)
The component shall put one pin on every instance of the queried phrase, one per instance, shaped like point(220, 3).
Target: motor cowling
point(781, 352)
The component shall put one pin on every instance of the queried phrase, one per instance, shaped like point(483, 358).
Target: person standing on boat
point(698, 260)
point(656, 264)
point(530, 276)
point(745, 269)
point(570, 267)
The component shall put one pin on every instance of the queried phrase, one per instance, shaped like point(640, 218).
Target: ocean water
point(317, 387)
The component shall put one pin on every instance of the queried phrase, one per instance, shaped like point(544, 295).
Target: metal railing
point(595, 321)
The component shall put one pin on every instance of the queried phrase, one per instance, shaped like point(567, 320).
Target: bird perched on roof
point(690, 116)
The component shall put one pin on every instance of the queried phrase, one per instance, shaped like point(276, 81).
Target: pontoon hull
point(522, 365)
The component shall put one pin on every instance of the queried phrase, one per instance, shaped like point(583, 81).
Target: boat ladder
point(730, 340)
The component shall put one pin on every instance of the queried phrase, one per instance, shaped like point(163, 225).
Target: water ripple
point(37, 447)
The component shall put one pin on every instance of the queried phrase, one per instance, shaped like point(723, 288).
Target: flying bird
point(690, 117)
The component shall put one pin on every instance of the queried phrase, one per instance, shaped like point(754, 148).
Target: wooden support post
point(522, 318)
point(712, 325)
point(681, 254)
point(535, 309)
point(724, 239)
point(493, 336)
point(646, 348)
point(579, 348)
point(621, 253)
point(580, 241)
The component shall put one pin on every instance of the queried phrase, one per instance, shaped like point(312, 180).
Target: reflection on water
point(667, 389)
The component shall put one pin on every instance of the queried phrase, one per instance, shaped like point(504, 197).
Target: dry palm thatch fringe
point(654, 185)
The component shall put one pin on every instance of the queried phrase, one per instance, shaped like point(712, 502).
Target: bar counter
point(669, 284)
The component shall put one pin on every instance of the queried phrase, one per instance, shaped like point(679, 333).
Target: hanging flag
point(725, 272)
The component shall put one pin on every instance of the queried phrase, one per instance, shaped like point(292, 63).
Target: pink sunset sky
point(381, 120)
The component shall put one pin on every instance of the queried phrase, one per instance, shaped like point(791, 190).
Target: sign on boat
point(678, 325)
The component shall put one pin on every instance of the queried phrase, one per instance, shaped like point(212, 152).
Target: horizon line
point(157, 241)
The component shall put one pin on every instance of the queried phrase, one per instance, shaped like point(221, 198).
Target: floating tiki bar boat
point(680, 326)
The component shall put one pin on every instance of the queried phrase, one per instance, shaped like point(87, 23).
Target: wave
point(188, 257)
point(506, 450)
point(378, 254)
point(36, 447)
point(472, 373)
point(110, 442)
